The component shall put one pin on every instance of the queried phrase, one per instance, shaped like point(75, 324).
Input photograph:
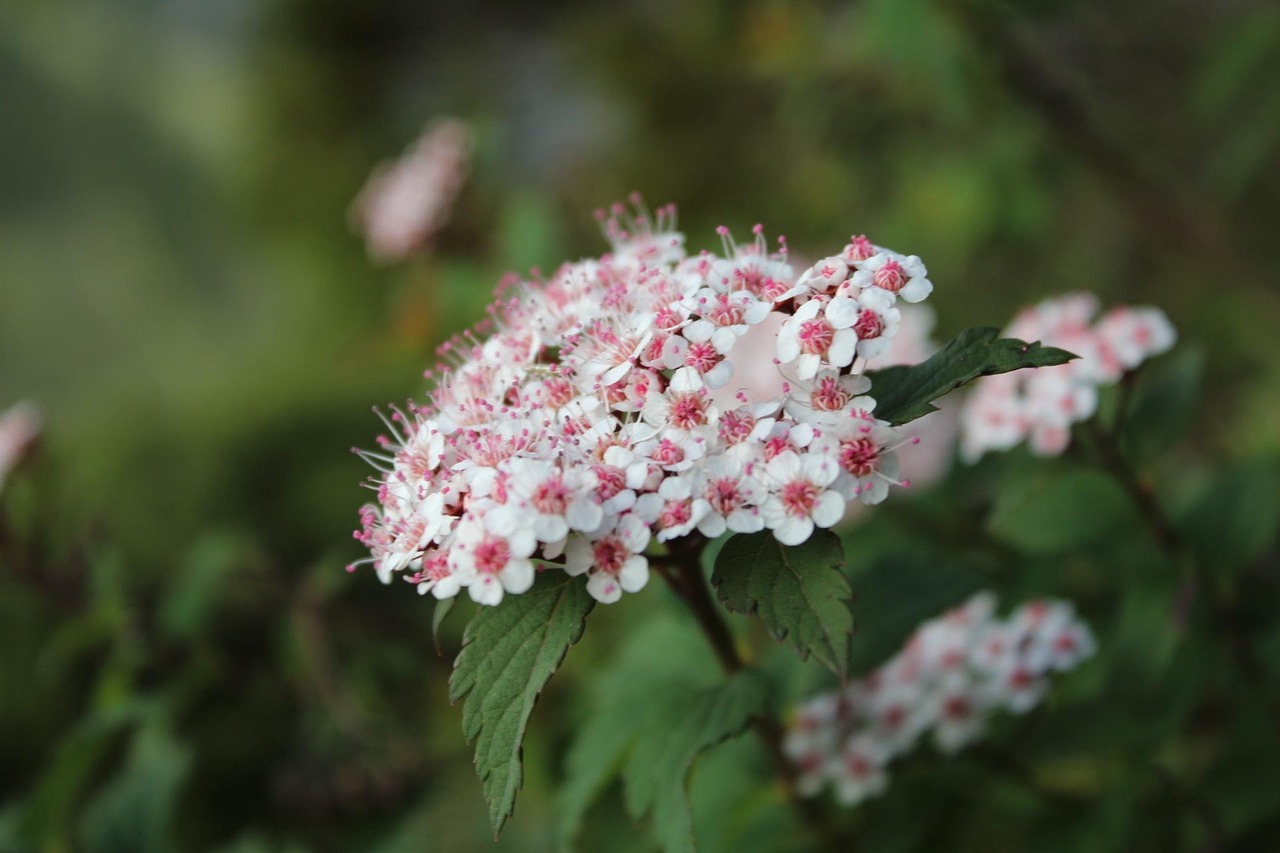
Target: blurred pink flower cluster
point(20, 427)
point(597, 414)
point(406, 202)
point(1041, 405)
point(953, 674)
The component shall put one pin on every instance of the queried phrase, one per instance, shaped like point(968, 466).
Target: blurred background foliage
point(185, 666)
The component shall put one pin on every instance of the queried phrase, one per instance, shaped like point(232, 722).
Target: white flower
point(904, 277)
point(811, 341)
point(799, 498)
point(554, 499)
point(613, 556)
point(489, 563)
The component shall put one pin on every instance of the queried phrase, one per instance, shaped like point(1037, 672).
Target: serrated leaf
point(799, 592)
point(657, 773)
point(905, 393)
point(509, 653)
point(663, 660)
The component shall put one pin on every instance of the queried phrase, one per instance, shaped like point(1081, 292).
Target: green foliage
point(441, 612)
point(1237, 517)
point(800, 593)
point(905, 393)
point(509, 653)
point(1165, 402)
point(135, 811)
point(657, 772)
point(1059, 509)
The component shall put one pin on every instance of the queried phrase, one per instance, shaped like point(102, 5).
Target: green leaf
point(799, 592)
point(134, 812)
point(1164, 404)
point(509, 653)
point(1238, 516)
point(1059, 510)
point(443, 606)
point(900, 590)
point(657, 772)
point(663, 660)
point(904, 393)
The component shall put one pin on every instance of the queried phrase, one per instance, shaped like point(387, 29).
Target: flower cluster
point(20, 428)
point(953, 673)
point(1041, 405)
point(406, 202)
point(599, 414)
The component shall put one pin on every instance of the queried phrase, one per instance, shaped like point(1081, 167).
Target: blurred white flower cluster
point(953, 674)
point(1041, 405)
point(602, 410)
point(404, 203)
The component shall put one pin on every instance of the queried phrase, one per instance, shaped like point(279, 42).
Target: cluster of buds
point(406, 202)
point(1041, 405)
point(952, 675)
point(601, 412)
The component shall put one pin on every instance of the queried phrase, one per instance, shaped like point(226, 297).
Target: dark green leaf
point(509, 653)
point(135, 810)
point(1238, 516)
point(799, 592)
point(1164, 403)
point(905, 393)
point(657, 772)
point(1057, 511)
point(899, 591)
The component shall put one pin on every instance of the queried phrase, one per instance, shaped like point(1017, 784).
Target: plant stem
point(683, 572)
point(1139, 493)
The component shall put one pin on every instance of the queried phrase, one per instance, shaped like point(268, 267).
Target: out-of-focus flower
point(1041, 405)
point(406, 202)
point(606, 409)
point(20, 426)
point(950, 677)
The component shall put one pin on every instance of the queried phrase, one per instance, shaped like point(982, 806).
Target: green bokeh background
point(183, 662)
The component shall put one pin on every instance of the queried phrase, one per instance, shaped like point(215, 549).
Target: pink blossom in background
point(1040, 406)
point(952, 675)
point(20, 426)
point(406, 202)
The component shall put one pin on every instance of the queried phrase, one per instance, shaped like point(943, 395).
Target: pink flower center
point(609, 481)
point(492, 555)
point(890, 277)
point(816, 336)
point(799, 497)
point(723, 496)
point(869, 325)
point(858, 765)
point(1019, 679)
point(551, 496)
point(894, 716)
point(859, 456)
point(957, 708)
point(688, 411)
point(702, 357)
point(675, 514)
point(725, 313)
point(667, 319)
point(609, 555)
point(668, 453)
point(859, 249)
point(736, 426)
point(829, 396)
